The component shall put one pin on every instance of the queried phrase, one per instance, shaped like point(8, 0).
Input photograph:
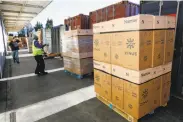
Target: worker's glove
point(44, 45)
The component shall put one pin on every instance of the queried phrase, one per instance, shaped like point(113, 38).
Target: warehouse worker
point(37, 49)
point(14, 47)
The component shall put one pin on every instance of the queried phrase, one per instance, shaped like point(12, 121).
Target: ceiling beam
point(23, 12)
point(19, 4)
point(17, 16)
point(14, 27)
point(15, 20)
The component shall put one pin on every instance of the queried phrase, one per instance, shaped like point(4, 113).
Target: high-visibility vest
point(36, 51)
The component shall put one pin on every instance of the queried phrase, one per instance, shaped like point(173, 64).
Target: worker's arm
point(37, 44)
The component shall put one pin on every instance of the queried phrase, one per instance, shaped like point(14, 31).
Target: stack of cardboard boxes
point(132, 61)
point(77, 51)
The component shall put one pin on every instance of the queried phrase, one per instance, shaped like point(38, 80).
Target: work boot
point(38, 73)
point(44, 73)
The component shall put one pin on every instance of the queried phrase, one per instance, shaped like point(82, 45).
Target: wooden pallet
point(78, 76)
point(122, 113)
point(51, 55)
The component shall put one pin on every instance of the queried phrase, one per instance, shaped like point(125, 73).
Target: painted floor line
point(30, 75)
point(51, 106)
point(21, 55)
point(22, 50)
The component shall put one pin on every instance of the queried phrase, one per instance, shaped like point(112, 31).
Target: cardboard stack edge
point(137, 77)
point(134, 89)
point(129, 24)
point(78, 51)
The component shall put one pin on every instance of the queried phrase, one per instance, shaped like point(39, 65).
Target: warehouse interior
point(63, 96)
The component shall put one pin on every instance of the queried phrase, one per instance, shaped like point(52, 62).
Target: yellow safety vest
point(36, 51)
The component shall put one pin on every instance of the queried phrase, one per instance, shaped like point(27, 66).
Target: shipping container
point(114, 11)
point(92, 18)
point(56, 39)
point(104, 14)
point(77, 22)
point(110, 12)
point(99, 15)
point(120, 10)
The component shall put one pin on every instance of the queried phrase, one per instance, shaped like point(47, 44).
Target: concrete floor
point(95, 111)
point(20, 93)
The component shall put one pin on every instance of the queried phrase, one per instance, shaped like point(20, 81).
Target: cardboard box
point(78, 32)
point(102, 66)
point(170, 22)
point(137, 22)
point(155, 94)
point(165, 88)
point(158, 71)
point(102, 48)
point(137, 99)
point(117, 42)
point(159, 22)
point(103, 85)
point(118, 92)
point(102, 27)
point(78, 66)
point(158, 47)
point(97, 28)
point(169, 45)
point(167, 68)
point(133, 49)
point(98, 82)
point(140, 100)
point(107, 86)
point(137, 77)
point(78, 47)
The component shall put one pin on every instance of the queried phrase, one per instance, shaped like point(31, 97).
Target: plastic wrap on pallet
point(78, 66)
point(78, 46)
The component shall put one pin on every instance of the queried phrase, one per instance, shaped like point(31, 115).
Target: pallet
point(78, 76)
point(51, 55)
point(122, 113)
point(125, 115)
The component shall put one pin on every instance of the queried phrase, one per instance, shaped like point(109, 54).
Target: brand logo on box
point(162, 41)
point(131, 53)
point(97, 78)
point(130, 106)
point(145, 74)
point(105, 54)
point(159, 56)
point(145, 58)
point(148, 42)
point(130, 43)
point(116, 56)
point(96, 42)
point(144, 93)
point(130, 21)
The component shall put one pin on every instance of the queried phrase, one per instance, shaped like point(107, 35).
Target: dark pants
point(40, 64)
point(15, 55)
